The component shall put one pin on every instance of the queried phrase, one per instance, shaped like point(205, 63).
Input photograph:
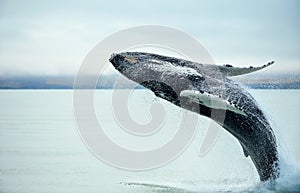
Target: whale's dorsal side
point(229, 70)
point(211, 101)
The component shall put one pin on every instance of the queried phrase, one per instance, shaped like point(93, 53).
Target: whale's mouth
point(162, 90)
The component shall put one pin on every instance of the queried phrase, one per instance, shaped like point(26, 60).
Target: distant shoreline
point(115, 81)
point(257, 87)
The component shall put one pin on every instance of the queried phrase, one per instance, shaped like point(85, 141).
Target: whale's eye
point(195, 78)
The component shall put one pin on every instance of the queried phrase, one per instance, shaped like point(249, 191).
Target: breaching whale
point(207, 90)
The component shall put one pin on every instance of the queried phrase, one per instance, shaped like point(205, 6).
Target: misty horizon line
point(108, 81)
point(286, 73)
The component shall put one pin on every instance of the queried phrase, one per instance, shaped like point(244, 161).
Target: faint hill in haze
point(270, 81)
point(255, 81)
point(65, 82)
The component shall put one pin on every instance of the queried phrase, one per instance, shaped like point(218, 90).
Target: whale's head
point(165, 76)
point(141, 67)
point(154, 71)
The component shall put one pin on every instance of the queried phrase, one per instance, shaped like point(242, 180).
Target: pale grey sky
point(53, 37)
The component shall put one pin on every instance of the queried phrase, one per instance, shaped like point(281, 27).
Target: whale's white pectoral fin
point(229, 70)
point(211, 101)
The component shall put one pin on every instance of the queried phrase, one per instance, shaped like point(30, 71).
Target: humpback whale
point(206, 89)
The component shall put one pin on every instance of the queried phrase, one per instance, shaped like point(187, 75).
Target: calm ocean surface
point(41, 150)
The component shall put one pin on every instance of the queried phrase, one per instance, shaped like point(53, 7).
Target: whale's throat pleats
point(162, 90)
